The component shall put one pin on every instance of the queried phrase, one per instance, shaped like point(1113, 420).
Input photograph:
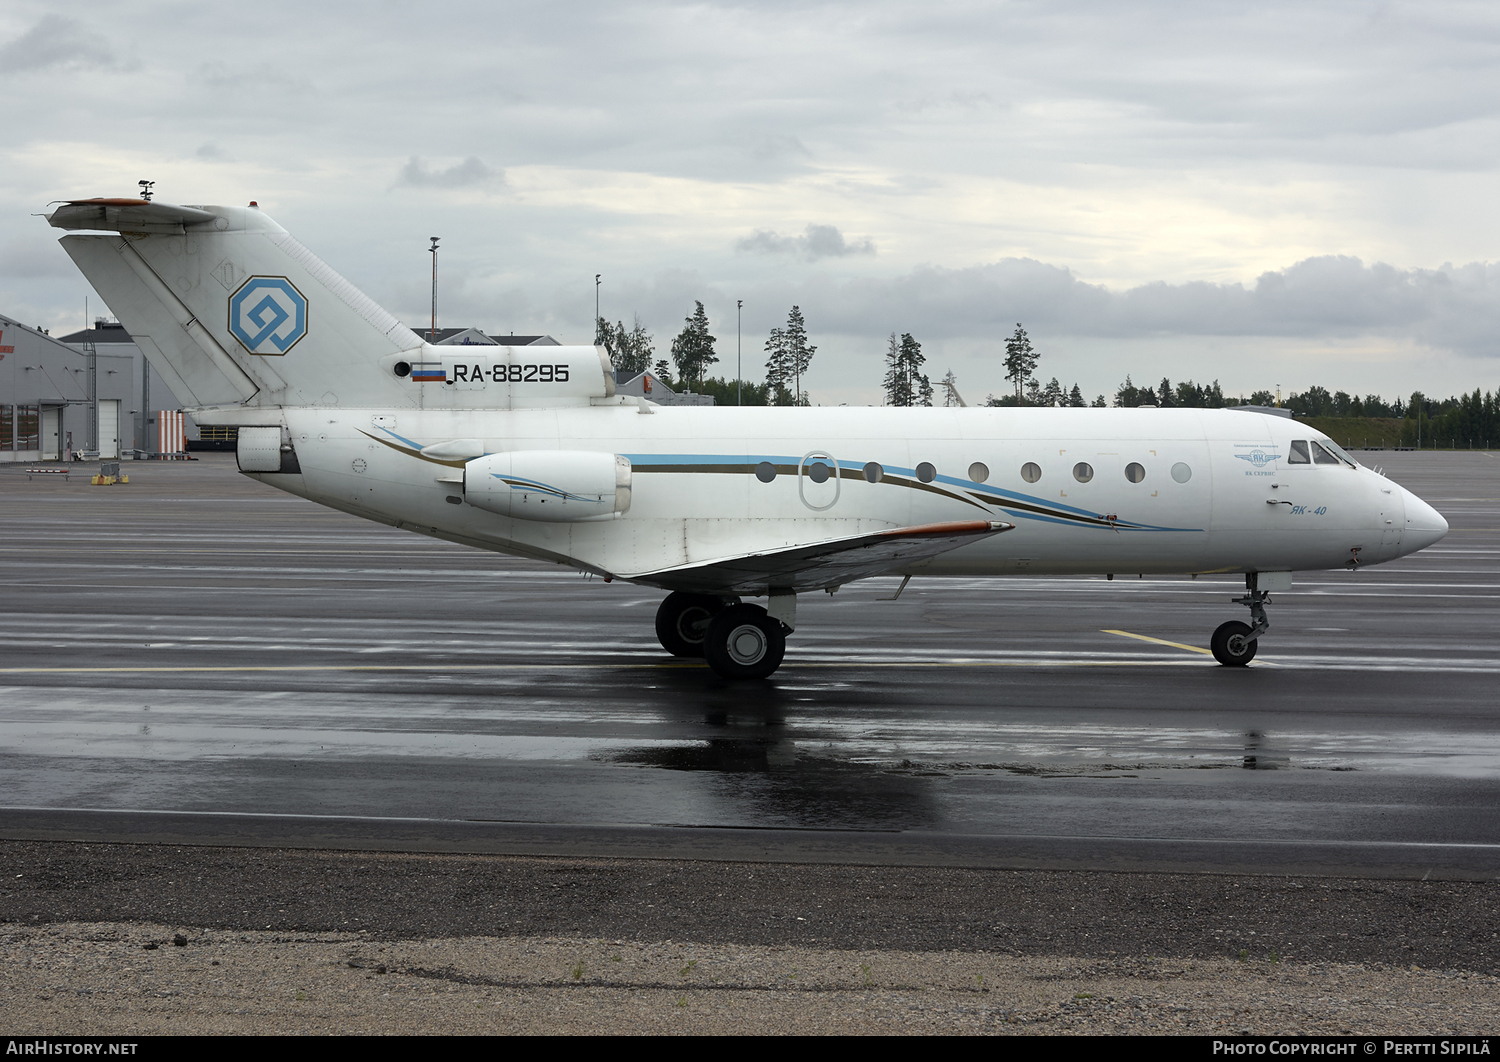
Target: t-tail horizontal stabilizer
point(823, 564)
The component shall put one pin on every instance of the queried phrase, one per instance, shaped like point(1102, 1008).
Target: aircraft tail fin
point(231, 309)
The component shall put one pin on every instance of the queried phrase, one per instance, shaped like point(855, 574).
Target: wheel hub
point(692, 622)
point(747, 644)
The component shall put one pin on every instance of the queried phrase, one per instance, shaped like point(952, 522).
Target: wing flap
point(821, 565)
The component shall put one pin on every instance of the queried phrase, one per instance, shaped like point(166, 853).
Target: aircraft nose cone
point(1424, 524)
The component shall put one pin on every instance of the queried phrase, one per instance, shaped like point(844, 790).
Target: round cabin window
point(979, 471)
point(1031, 471)
point(765, 471)
point(818, 472)
point(1135, 472)
point(926, 472)
point(1181, 472)
point(1083, 471)
point(873, 472)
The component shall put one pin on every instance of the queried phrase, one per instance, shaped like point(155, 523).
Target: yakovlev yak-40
point(529, 451)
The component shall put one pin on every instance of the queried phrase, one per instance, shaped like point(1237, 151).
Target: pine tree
point(1165, 398)
point(778, 367)
point(1020, 359)
point(693, 349)
point(1075, 398)
point(663, 371)
point(799, 352)
point(924, 390)
point(1052, 394)
point(912, 360)
point(897, 381)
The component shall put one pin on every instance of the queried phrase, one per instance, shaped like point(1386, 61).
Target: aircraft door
point(818, 480)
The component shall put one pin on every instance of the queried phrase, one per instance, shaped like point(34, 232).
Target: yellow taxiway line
point(1161, 641)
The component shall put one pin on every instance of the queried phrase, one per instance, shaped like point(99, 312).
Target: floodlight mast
point(432, 328)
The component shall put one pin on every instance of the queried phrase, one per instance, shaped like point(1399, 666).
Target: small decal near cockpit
point(1259, 457)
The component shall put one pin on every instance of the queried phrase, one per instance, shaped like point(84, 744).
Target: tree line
point(1458, 420)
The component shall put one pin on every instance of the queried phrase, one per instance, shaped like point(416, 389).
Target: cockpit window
point(1322, 456)
point(1298, 456)
point(1339, 452)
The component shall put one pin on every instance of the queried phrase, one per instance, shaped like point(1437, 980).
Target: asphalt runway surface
point(196, 658)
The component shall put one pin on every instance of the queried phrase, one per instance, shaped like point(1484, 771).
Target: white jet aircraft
point(529, 451)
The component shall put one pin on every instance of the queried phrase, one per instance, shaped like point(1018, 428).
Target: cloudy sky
point(1264, 194)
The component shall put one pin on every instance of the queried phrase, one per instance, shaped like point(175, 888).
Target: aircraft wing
point(822, 564)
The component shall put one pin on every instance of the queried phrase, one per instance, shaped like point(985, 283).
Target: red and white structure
point(170, 436)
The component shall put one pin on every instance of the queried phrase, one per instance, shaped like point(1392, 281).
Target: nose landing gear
point(1234, 643)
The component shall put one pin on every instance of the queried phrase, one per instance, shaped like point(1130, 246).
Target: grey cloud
point(468, 172)
point(820, 241)
point(33, 256)
point(777, 146)
point(57, 41)
point(1456, 308)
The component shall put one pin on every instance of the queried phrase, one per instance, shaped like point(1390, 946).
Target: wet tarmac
point(196, 658)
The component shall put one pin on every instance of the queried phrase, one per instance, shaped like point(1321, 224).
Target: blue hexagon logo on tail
point(268, 315)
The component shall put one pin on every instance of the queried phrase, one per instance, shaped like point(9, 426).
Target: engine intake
point(555, 486)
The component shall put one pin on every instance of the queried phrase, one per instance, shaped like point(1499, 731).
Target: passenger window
point(1298, 456)
point(1031, 471)
point(1083, 471)
point(1322, 456)
point(926, 472)
point(1135, 472)
point(873, 472)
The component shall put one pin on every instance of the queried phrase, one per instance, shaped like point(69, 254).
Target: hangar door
point(51, 445)
point(109, 429)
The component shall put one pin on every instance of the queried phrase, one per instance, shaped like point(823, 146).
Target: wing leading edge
point(822, 564)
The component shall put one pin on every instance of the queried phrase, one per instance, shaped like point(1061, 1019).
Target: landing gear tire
point(682, 622)
point(1231, 646)
point(742, 642)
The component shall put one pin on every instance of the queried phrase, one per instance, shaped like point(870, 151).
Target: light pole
point(596, 308)
point(739, 309)
point(432, 328)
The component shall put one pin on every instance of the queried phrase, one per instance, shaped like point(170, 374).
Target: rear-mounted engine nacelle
point(550, 485)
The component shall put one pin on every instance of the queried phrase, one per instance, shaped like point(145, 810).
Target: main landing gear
point(1234, 643)
point(738, 641)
